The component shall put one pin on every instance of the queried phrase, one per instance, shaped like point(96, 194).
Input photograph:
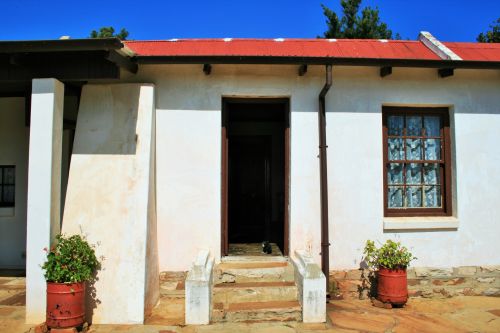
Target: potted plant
point(71, 262)
point(390, 261)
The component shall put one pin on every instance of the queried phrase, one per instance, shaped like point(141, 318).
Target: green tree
point(354, 25)
point(108, 32)
point(491, 36)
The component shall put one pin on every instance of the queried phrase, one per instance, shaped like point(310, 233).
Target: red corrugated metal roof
point(476, 51)
point(341, 48)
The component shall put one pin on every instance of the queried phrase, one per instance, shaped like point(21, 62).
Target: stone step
point(253, 271)
point(276, 258)
point(258, 311)
point(228, 293)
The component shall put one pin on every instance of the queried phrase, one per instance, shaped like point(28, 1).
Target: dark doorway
point(255, 172)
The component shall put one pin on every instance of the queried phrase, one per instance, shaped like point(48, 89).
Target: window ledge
point(421, 223)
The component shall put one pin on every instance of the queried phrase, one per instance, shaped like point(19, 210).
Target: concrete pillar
point(44, 188)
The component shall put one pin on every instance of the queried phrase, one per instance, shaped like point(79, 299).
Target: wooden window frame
point(4, 204)
point(445, 162)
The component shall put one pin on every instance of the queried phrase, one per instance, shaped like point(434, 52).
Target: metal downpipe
point(323, 172)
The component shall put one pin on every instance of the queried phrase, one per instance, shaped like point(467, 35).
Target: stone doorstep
point(262, 311)
point(250, 265)
point(254, 284)
point(254, 272)
point(242, 259)
point(255, 292)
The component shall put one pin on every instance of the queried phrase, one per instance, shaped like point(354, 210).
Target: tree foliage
point(108, 32)
point(491, 36)
point(354, 25)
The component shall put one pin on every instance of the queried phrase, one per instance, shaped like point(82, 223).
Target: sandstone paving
point(456, 314)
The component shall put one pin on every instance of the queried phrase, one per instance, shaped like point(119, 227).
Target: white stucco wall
point(111, 198)
point(188, 146)
point(14, 142)
point(355, 163)
point(189, 153)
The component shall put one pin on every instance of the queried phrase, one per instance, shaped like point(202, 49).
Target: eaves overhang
point(61, 45)
point(65, 59)
point(335, 61)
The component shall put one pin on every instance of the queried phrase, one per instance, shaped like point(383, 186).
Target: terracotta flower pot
point(392, 286)
point(65, 304)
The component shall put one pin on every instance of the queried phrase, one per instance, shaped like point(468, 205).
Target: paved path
point(459, 314)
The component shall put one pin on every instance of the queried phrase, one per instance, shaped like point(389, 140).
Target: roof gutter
point(323, 173)
point(290, 60)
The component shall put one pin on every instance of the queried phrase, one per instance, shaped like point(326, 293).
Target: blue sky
point(448, 20)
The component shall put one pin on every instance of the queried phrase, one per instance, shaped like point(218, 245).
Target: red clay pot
point(392, 286)
point(65, 304)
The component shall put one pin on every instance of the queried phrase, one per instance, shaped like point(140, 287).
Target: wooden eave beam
point(207, 69)
point(122, 61)
point(302, 69)
point(385, 71)
point(445, 72)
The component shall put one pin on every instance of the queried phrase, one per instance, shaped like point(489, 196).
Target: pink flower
point(45, 249)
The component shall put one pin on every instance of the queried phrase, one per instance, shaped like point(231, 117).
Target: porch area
point(458, 314)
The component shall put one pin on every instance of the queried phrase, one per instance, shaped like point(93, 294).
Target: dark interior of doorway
point(256, 171)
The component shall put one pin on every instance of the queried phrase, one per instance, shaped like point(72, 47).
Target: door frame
point(225, 167)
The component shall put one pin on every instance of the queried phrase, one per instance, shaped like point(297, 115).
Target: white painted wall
point(188, 107)
point(14, 142)
point(188, 157)
point(355, 189)
point(111, 198)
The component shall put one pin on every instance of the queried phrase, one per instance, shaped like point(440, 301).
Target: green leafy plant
point(390, 255)
point(71, 260)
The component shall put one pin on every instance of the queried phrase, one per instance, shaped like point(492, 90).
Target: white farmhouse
point(165, 153)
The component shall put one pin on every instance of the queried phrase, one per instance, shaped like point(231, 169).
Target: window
point(416, 161)
point(7, 186)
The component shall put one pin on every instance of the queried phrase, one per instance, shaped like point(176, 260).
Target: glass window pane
point(431, 173)
point(413, 196)
point(9, 176)
point(395, 173)
point(8, 194)
point(432, 196)
point(395, 196)
point(413, 149)
point(432, 149)
point(414, 173)
point(432, 125)
point(395, 149)
point(395, 125)
point(414, 125)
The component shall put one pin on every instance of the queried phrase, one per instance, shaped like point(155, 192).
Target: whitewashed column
point(44, 188)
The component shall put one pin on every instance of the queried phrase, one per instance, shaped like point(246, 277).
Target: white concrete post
point(199, 290)
point(311, 283)
point(44, 188)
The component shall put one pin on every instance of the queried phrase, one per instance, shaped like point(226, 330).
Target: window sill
point(7, 211)
point(421, 223)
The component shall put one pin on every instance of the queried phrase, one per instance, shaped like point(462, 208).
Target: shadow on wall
point(92, 301)
point(107, 130)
